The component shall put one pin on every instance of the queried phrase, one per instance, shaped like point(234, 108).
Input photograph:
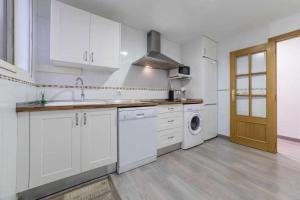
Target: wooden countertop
point(52, 106)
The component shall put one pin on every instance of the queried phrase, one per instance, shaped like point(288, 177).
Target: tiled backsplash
point(72, 92)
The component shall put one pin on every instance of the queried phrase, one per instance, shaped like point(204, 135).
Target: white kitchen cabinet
point(98, 138)
point(54, 146)
point(170, 125)
point(210, 121)
point(104, 42)
point(209, 48)
point(81, 39)
point(69, 34)
point(65, 143)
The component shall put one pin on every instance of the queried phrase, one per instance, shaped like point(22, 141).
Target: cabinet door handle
point(85, 56)
point(92, 57)
point(84, 119)
point(76, 119)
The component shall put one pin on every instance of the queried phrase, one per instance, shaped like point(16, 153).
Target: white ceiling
point(183, 20)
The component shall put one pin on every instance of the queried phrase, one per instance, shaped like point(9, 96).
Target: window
point(22, 37)
point(15, 32)
point(6, 30)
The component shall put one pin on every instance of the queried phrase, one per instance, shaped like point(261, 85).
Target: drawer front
point(170, 122)
point(169, 137)
point(170, 108)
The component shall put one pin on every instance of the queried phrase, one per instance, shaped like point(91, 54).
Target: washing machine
point(193, 125)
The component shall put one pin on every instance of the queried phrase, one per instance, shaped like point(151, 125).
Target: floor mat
point(100, 189)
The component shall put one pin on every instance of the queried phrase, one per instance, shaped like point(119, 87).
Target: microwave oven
point(182, 71)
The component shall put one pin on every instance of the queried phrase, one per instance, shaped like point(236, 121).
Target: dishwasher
point(136, 137)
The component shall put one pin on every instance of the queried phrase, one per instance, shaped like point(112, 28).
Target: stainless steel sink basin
point(75, 103)
point(121, 101)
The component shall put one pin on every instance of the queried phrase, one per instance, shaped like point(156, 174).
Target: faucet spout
point(79, 80)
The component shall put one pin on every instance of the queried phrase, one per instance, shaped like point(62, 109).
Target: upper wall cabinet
point(104, 42)
point(209, 49)
point(69, 34)
point(81, 39)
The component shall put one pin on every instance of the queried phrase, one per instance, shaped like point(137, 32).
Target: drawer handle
point(171, 137)
point(170, 108)
point(170, 121)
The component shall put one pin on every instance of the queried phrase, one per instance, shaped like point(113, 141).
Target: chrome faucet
point(82, 95)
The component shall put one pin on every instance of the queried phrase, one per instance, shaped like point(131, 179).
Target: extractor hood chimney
point(154, 58)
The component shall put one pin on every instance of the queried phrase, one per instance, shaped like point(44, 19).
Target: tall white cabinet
point(71, 37)
point(64, 143)
point(209, 83)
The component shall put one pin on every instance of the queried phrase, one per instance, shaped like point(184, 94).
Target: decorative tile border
point(100, 87)
point(8, 78)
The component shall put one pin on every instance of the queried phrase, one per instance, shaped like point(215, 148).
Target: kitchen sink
point(75, 103)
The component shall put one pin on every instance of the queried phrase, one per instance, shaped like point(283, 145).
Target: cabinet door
point(210, 81)
point(210, 122)
point(69, 34)
point(104, 42)
point(99, 138)
point(209, 49)
point(54, 146)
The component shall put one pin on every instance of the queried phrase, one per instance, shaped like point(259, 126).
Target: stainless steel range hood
point(154, 58)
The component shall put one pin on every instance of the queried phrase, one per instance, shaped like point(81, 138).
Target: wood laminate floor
point(288, 148)
point(214, 170)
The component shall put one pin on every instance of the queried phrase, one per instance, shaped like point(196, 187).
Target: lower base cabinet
point(65, 143)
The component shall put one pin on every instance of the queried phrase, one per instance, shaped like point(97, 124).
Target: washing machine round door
point(195, 124)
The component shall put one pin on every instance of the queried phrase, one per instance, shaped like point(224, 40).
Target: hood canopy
point(154, 58)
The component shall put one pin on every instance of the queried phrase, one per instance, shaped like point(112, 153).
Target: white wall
point(11, 92)
point(254, 36)
point(288, 84)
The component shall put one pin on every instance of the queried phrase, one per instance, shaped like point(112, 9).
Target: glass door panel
point(242, 105)
point(258, 106)
point(242, 65)
point(258, 62)
point(258, 84)
point(242, 85)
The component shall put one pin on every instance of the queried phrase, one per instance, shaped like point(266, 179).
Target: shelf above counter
point(180, 77)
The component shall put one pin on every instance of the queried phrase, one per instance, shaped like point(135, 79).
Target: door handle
point(233, 95)
point(76, 119)
point(92, 57)
point(84, 119)
point(85, 56)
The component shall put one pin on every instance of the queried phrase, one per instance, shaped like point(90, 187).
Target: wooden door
point(69, 34)
point(105, 42)
point(99, 138)
point(54, 146)
point(253, 100)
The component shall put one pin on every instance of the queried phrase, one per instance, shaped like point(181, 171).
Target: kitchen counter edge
point(30, 107)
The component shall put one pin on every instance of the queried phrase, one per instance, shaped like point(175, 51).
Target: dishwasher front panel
point(136, 141)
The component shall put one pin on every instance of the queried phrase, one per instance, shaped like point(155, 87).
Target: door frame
point(272, 81)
